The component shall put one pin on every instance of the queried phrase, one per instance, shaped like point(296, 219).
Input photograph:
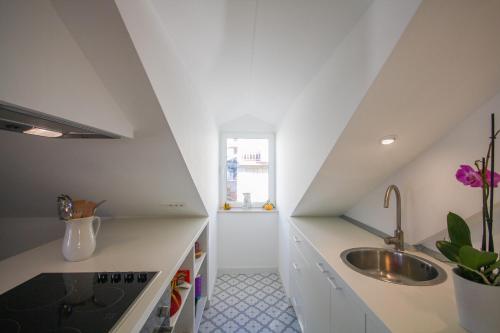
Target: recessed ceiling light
point(43, 132)
point(388, 140)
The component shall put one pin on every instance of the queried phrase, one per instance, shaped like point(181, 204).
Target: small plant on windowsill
point(268, 205)
point(477, 275)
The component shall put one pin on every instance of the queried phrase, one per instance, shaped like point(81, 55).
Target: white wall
point(247, 124)
point(317, 118)
point(428, 185)
point(28, 233)
point(248, 241)
point(193, 127)
point(137, 177)
point(44, 69)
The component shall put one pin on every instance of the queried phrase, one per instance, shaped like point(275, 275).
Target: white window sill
point(244, 210)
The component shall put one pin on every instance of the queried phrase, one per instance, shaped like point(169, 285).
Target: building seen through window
point(247, 169)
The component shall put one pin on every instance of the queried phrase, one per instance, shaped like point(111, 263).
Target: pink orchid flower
point(496, 178)
point(468, 176)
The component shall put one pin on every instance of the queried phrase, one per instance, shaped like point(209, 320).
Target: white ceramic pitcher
point(80, 238)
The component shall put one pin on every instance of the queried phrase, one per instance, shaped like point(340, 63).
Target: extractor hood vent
point(15, 118)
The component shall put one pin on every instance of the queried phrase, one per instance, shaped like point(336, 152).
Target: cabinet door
point(317, 298)
point(298, 281)
point(297, 301)
point(374, 325)
point(346, 316)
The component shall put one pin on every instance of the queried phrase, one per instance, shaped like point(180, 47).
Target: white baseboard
point(246, 270)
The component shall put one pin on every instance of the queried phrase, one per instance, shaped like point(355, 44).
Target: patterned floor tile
point(249, 303)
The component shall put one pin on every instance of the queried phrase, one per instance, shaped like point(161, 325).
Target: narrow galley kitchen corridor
point(249, 303)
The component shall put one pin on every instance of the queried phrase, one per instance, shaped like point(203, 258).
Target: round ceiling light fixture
point(388, 140)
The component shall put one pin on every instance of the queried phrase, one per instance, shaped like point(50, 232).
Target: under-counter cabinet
point(345, 315)
point(324, 303)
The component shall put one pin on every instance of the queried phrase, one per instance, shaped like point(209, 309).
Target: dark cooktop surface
point(70, 302)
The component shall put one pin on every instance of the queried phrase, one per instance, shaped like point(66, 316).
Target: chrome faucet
point(398, 239)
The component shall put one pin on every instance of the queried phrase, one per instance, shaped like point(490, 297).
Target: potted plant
point(477, 275)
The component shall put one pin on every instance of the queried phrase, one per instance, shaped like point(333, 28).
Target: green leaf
point(497, 281)
point(458, 230)
point(475, 259)
point(449, 250)
point(477, 274)
point(492, 267)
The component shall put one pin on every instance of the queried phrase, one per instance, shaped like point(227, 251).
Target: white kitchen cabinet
point(309, 287)
point(297, 284)
point(324, 303)
point(297, 301)
point(317, 298)
point(345, 315)
point(374, 325)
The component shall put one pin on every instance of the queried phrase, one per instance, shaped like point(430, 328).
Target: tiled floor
point(249, 303)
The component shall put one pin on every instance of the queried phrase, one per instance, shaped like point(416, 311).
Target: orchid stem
point(491, 246)
point(485, 200)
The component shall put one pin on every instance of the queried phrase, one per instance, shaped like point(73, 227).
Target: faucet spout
point(398, 239)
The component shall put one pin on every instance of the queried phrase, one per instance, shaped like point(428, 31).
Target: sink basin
point(393, 266)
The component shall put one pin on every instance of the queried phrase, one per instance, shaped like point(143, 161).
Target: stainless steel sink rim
point(441, 274)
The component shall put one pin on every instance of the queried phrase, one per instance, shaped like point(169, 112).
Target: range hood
point(19, 119)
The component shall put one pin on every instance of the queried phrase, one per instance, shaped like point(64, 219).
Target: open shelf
point(200, 307)
point(189, 316)
point(198, 262)
point(184, 295)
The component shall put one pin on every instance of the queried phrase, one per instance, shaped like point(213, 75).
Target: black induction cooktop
point(70, 302)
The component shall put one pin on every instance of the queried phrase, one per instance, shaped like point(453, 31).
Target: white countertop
point(403, 309)
point(122, 245)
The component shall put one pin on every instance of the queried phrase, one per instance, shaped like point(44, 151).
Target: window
point(247, 166)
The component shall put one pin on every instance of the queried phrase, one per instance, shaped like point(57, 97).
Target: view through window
point(247, 169)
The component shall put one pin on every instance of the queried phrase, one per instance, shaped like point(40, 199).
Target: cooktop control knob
point(115, 277)
point(142, 277)
point(129, 277)
point(102, 277)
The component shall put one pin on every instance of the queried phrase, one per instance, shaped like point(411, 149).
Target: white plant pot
point(477, 305)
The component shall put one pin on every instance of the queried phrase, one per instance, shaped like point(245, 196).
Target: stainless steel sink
point(393, 266)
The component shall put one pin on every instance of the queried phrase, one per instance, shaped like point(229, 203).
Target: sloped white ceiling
point(446, 64)
point(137, 177)
point(192, 125)
point(254, 57)
point(317, 118)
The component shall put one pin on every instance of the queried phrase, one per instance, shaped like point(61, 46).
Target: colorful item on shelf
point(197, 287)
point(182, 276)
point(227, 206)
point(181, 280)
point(197, 250)
point(175, 302)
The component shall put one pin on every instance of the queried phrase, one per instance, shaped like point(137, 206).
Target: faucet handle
point(397, 240)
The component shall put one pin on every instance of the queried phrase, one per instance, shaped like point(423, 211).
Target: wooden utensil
point(83, 208)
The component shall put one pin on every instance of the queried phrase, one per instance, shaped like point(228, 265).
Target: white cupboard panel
point(374, 325)
point(317, 299)
point(346, 316)
point(297, 301)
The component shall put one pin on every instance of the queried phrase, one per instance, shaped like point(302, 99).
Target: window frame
point(222, 166)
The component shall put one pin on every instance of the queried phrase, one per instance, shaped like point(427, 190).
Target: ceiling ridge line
point(254, 33)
